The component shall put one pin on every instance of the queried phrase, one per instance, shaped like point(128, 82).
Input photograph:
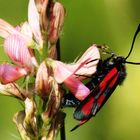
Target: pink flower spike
point(15, 47)
point(33, 19)
point(9, 73)
point(79, 90)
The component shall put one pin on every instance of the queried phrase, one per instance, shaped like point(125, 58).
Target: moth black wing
point(93, 102)
point(69, 100)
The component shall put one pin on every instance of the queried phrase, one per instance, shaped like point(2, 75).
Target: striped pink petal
point(9, 73)
point(92, 57)
point(62, 71)
point(85, 66)
point(33, 19)
point(15, 47)
point(6, 29)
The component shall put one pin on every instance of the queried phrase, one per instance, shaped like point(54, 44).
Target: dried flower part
point(18, 119)
point(30, 113)
point(12, 90)
point(57, 123)
point(26, 121)
point(42, 80)
point(9, 73)
point(52, 52)
point(56, 22)
point(53, 104)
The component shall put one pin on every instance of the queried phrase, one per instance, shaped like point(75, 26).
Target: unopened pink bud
point(56, 22)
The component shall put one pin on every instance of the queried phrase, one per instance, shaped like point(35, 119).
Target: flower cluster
point(32, 48)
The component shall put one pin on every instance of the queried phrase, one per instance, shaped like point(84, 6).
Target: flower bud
point(43, 8)
point(56, 22)
point(42, 80)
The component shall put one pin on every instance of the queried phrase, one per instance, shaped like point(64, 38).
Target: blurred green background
point(111, 22)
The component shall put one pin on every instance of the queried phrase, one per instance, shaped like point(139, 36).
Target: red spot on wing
point(101, 99)
point(111, 74)
point(112, 83)
point(109, 80)
point(86, 109)
point(108, 77)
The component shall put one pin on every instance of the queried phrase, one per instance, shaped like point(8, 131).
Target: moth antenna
point(134, 63)
point(133, 41)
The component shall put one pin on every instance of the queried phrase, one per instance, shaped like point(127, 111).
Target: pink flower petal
point(33, 19)
point(79, 90)
point(92, 56)
point(26, 30)
point(9, 73)
point(92, 53)
point(62, 71)
point(18, 28)
point(6, 29)
point(15, 47)
point(85, 66)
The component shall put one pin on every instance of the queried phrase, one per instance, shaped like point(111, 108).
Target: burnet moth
point(111, 72)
